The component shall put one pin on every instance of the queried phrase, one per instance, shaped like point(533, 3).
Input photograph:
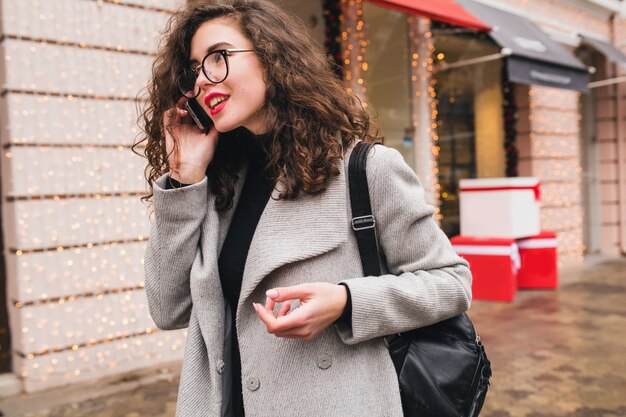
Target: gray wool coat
point(346, 371)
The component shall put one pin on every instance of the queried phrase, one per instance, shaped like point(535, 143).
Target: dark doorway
point(457, 156)
point(5, 336)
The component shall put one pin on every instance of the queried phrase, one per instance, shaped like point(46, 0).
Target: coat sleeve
point(174, 237)
point(426, 281)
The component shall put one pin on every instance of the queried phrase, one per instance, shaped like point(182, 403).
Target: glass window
point(469, 118)
point(387, 78)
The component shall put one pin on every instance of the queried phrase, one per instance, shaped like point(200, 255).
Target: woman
point(251, 246)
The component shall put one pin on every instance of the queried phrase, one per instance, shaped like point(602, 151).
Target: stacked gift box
point(501, 237)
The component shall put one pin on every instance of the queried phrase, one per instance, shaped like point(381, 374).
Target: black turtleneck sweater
point(255, 193)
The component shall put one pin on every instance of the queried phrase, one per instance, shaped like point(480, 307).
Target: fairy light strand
point(554, 122)
point(354, 48)
point(424, 105)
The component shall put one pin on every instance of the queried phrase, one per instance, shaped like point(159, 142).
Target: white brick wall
point(74, 228)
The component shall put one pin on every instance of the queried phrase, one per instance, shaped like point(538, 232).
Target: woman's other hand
point(188, 160)
point(321, 304)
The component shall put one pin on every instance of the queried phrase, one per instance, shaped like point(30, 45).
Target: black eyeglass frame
point(196, 71)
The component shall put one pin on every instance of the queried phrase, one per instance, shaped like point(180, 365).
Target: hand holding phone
point(190, 140)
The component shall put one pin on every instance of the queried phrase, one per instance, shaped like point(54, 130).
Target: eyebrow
point(215, 46)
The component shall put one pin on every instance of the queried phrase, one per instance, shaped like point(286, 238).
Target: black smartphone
point(203, 121)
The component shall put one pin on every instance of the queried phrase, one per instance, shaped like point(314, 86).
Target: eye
point(217, 57)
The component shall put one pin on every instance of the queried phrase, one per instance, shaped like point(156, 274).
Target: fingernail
point(255, 306)
point(271, 293)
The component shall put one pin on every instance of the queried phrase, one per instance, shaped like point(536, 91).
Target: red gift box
point(538, 261)
point(494, 263)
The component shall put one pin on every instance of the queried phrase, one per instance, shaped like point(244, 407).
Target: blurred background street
point(554, 354)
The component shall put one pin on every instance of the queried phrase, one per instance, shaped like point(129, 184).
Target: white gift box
point(500, 207)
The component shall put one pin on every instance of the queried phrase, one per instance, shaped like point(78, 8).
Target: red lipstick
point(220, 106)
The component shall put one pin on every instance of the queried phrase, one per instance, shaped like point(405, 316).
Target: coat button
point(220, 366)
point(324, 361)
point(253, 383)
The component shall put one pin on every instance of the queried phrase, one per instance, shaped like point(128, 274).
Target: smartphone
point(203, 121)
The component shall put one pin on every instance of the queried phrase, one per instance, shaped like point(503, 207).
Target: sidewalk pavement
point(554, 354)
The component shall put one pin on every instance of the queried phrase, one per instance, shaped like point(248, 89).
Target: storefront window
point(387, 79)
point(457, 157)
point(469, 120)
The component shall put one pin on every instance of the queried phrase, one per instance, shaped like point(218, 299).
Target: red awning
point(447, 11)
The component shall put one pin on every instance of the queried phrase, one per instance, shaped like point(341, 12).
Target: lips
point(216, 102)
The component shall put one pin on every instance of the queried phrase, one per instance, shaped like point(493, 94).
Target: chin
point(225, 127)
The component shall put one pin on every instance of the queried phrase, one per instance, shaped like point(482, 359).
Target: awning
point(612, 54)
point(447, 11)
point(534, 57)
point(608, 50)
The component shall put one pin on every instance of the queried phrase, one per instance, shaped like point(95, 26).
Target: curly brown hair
point(311, 116)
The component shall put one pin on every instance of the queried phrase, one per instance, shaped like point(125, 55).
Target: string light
point(435, 148)
point(93, 360)
point(554, 157)
point(66, 274)
point(426, 138)
point(354, 47)
point(75, 261)
point(555, 132)
point(90, 22)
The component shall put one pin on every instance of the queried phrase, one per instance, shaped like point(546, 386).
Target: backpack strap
point(363, 221)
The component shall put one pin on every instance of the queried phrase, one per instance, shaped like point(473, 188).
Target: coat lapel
point(215, 227)
point(294, 230)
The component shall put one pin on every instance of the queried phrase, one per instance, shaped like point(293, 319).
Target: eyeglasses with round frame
point(215, 68)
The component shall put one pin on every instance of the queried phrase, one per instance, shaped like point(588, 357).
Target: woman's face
point(238, 100)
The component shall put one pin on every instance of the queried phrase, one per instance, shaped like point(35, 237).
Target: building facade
point(491, 119)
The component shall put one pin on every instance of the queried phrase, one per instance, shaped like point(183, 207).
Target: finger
point(180, 116)
point(270, 304)
point(296, 292)
point(181, 112)
point(178, 110)
point(290, 322)
point(284, 309)
point(266, 317)
point(171, 119)
point(278, 324)
point(181, 101)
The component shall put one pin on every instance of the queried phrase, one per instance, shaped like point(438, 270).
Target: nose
point(202, 80)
